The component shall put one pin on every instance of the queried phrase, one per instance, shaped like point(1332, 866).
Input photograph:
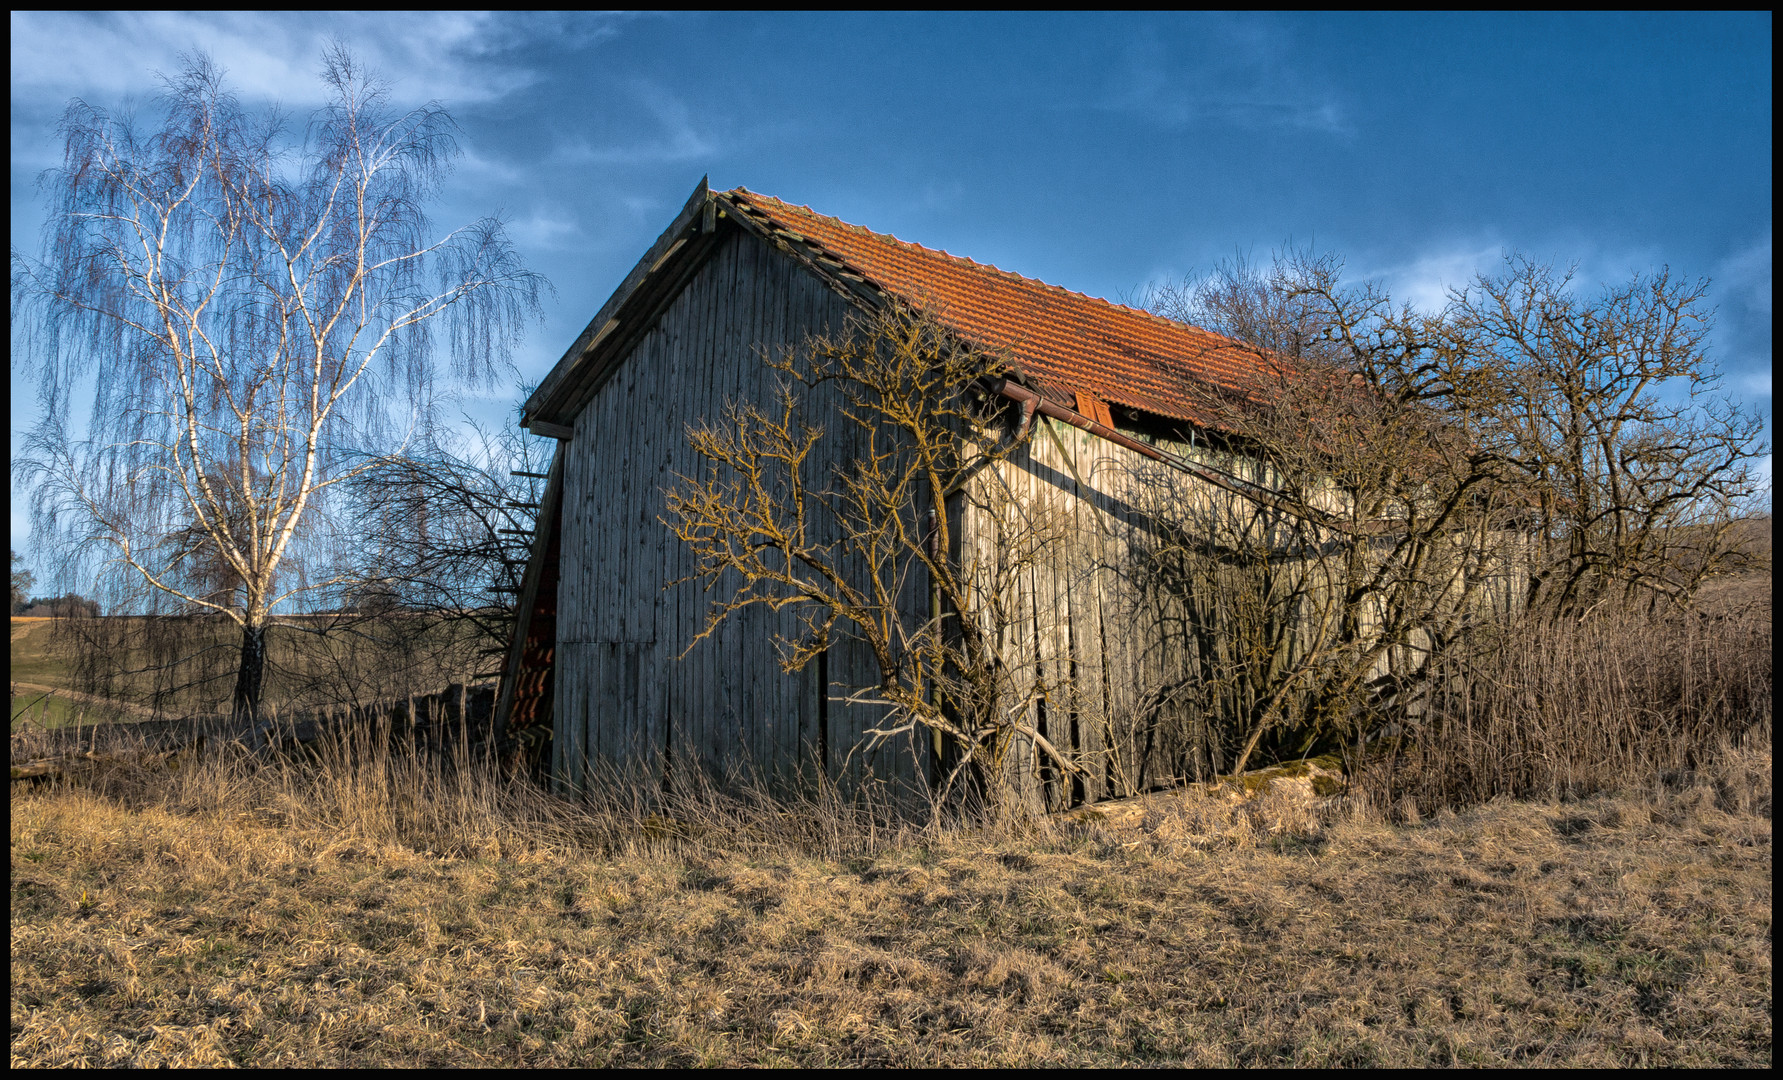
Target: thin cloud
point(1424, 281)
point(1746, 276)
point(474, 162)
point(1242, 77)
point(540, 229)
point(1742, 292)
point(458, 56)
point(111, 60)
point(675, 136)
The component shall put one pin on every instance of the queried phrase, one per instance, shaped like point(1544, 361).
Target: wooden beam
point(653, 284)
point(1256, 493)
point(647, 302)
point(831, 271)
point(613, 323)
point(550, 430)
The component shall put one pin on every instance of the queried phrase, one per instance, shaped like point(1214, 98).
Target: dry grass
point(1563, 709)
point(393, 913)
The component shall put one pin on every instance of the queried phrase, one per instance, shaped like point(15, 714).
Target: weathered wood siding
point(1118, 665)
point(628, 702)
point(1078, 631)
point(626, 699)
point(1050, 528)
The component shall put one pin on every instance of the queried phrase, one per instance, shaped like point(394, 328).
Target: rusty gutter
point(1032, 402)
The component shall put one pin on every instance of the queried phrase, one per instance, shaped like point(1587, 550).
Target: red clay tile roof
point(1067, 342)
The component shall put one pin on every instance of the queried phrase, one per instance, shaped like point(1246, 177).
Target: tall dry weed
point(362, 784)
point(1541, 710)
point(376, 905)
point(1553, 709)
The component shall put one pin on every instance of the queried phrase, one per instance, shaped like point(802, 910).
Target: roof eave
point(674, 257)
point(559, 395)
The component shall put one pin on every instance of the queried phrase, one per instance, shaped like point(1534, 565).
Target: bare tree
point(447, 529)
point(1377, 524)
point(1416, 476)
point(254, 316)
point(845, 500)
point(1606, 406)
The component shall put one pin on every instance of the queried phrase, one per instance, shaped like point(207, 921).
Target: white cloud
point(545, 230)
point(455, 56)
point(111, 60)
point(270, 57)
point(492, 170)
point(1425, 280)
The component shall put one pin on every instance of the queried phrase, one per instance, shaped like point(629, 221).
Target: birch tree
point(252, 314)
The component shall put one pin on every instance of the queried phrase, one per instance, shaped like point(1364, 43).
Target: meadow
point(370, 906)
point(278, 925)
point(39, 671)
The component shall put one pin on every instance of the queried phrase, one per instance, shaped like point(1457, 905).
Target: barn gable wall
point(631, 691)
point(627, 700)
point(625, 697)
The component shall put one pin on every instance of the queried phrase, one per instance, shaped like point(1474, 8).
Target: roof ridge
point(1116, 351)
point(1105, 302)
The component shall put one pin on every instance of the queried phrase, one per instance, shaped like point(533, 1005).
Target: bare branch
point(252, 311)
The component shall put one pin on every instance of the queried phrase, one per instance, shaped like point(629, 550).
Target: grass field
point(34, 658)
point(318, 922)
point(370, 908)
point(39, 670)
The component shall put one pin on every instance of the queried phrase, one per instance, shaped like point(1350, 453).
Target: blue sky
point(1097, 152)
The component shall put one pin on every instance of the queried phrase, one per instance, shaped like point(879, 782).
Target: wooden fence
point(460, 714)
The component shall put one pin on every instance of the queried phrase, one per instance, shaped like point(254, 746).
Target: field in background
point(34, 658)
point(186, 667)
point(39, 670)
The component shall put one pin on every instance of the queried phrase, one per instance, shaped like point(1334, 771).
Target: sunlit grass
point(395, 914)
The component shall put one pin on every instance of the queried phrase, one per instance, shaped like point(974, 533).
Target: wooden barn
point(597, 664)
